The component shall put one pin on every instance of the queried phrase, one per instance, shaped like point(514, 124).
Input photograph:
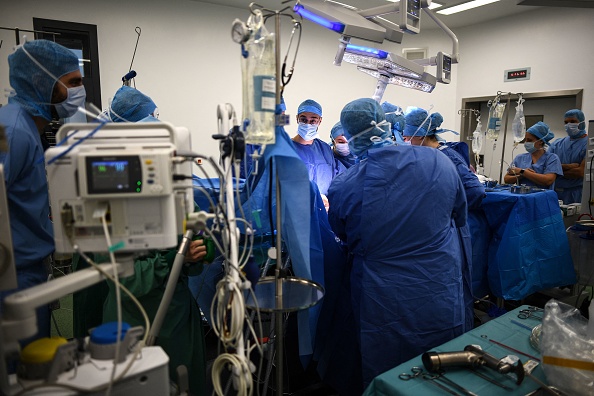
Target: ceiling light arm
point(455, 46)
point(343, 41)
point(381, 10)
point(382, 82)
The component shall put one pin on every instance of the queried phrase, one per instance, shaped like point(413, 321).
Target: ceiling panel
point(485, 13)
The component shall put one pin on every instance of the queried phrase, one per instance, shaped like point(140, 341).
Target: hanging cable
point(286, 78)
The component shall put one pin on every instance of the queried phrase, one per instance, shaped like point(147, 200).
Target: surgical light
point(358, 49)
point(465, 6)
point(335, 26)
point(426, 83)
point(392, 64)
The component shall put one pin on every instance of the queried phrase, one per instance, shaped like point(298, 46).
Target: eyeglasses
point(310, 121)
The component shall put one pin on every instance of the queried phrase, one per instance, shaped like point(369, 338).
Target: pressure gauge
point(240, 33)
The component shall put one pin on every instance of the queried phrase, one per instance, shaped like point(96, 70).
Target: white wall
point(188, 64)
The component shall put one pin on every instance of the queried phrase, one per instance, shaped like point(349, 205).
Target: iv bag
point(495, 115)
point(259, 83)
point(519, 123)
point(477, 139)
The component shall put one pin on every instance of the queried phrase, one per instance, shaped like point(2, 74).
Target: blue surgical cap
point(436, 120)
point(577, 113)
point(336, 131)
point(129, 104)
point(358, 118)
point(415, 119)
point(32, 84)
point(396, 118)
point(310, 106)
point(541, 131)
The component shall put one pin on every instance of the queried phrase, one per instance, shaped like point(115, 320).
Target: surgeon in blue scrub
point(340, 147)
point(315, 153)
point(399, 210)
point(422, 129)
point(537, 167)
point(47, 82)
point(571, 150)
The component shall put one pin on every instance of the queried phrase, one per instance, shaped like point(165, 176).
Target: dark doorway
point(543, 106)
point(82, 39)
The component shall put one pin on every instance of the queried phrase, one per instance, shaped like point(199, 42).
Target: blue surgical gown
point(400, 212)
point(477, 222)
point(569, 151)
point(319, 160)
point(28, 202)
point(547, 163)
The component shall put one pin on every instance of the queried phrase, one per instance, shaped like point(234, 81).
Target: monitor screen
point(121, 174)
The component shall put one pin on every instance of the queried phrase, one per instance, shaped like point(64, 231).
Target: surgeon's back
point(399, 212)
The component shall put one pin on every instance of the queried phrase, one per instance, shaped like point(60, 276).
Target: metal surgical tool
point(442, 377)
point(491, 380)
point(417, 372)
point(529, 313)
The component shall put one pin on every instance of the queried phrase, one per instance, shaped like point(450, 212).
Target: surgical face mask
point(573, 130)
point(307, 131)
point(529, 146)
point(76, 98)
point(342, 149)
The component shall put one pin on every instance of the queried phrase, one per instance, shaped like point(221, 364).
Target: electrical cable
point(286, 78)
point(63, 153)
point(118, 302)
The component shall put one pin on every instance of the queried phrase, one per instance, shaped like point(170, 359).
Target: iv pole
point(509, 94)
point(278, 317)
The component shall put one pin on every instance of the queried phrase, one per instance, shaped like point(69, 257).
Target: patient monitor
point(123, 173)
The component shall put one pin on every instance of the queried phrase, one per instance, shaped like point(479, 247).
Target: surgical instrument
point(514, 350)
point(417, 372)
point(529, 313)
point(441, 377)
point(491, 380)
point(472, 356)
point(521, 325)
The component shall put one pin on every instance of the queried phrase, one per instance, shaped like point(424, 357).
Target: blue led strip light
point(336, 26)
point(358, 49)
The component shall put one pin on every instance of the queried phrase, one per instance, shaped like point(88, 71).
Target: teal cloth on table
point(501, 330)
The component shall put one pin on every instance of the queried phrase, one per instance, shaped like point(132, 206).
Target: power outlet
point(587, 177)
point(590, 153)
point(591, 141)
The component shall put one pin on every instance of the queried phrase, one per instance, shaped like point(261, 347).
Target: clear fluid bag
point(495, 115)
point(259, 83)
point(477, 139)
point(519, 123)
